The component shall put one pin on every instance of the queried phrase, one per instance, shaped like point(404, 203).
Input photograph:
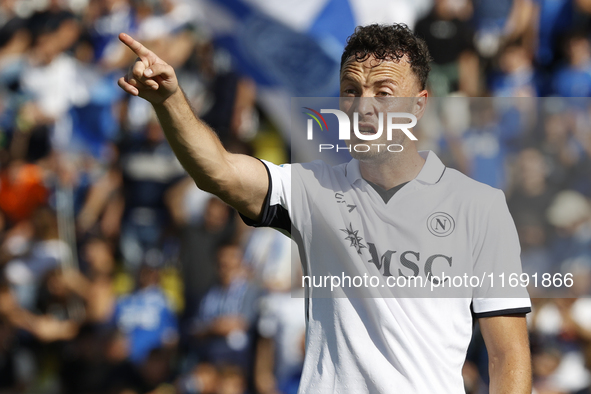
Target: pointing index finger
point(134, 45)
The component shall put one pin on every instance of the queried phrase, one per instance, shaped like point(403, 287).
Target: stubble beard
point(378, 154)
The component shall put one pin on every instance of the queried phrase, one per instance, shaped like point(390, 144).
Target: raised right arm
point(239, 180)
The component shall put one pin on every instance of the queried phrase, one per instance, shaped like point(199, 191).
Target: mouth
point(367, 129)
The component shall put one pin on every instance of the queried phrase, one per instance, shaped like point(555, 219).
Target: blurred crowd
point(120, 276)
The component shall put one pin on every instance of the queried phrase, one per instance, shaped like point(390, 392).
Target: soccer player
point(405, 212)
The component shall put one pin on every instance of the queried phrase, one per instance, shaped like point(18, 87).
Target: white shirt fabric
point(364, 341)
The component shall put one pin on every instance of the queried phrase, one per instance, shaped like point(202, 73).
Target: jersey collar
point(432, 170)
point(430, 174)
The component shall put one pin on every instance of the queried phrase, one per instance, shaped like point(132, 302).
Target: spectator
point(531, 193)
point(95, 362)
point(488, 141)
point(554, 19)
point(21, 190)
point(94, 125)
point(269, 255)
point(45, 328)
point(149, 169)
point(202, 379)
point(145, 316)
point(199, 245)
point(40, 254)
point(570, 214)
point(105, 20)
point(279, 350)
point(500, 22)
point(448, 35)
point(563, 326)
point(224, 322)
point(48, 74)
point(561, 149)
point(232, 381)
point(574, 78)
point(96, 287)
point(530, 196)
point(517, 76)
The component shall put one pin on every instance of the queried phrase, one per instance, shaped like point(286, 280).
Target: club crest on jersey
point(352, 235)
point(441, 224)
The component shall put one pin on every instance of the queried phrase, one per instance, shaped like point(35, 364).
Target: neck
point(397, 169)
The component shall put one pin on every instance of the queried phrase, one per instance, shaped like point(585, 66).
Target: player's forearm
point(196, 146)
point(239, 180)
point(510, 373)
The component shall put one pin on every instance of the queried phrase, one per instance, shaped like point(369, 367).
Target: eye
point(384, 94)
point(350, 92)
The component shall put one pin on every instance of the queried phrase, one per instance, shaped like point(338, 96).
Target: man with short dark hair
point(430, 214)
point(224, 320)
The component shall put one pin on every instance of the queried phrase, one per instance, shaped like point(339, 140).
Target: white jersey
point(441, 222)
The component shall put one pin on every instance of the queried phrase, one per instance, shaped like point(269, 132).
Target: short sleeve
point(277, 203)
point(496, 259)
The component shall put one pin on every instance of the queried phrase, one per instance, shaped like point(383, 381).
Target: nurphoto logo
point(365, 134)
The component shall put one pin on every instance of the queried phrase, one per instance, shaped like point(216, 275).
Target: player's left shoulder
point(464, 188)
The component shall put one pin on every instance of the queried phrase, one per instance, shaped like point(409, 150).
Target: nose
point(366, 106)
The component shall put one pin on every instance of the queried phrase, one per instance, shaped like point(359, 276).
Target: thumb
point(162, 70)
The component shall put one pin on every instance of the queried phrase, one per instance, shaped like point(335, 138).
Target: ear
point(420, 104)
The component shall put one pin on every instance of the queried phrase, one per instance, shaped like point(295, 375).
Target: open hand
point(149, 77)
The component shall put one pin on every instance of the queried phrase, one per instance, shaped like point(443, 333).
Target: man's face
point(229, 264)
point(372, 87)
